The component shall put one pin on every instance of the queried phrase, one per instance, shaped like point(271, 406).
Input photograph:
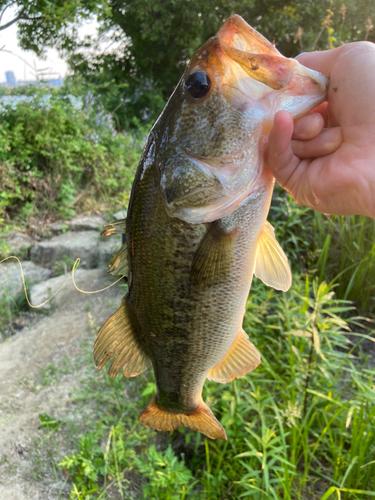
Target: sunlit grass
point(301, 426)
point(301, 423)
point(348, 256)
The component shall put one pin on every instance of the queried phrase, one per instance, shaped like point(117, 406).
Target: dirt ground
point(22, 357)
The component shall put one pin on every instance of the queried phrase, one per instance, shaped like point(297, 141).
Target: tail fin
point(202, 420)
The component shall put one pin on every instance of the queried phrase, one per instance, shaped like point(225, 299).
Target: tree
point(42, 23)
point(149, 41)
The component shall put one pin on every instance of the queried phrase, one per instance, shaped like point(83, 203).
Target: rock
point(11, 281)
point(89, 246)
point(16, 243)
point(87, 280)
point(87, 223)
point(79, 223)
point(120, 215)
point(58, 227)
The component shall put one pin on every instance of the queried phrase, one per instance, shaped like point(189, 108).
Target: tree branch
point(17, 18)
point(5, 8)
point(19, 57)
point(27, 18)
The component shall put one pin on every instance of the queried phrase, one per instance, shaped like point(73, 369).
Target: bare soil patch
point(53, 340)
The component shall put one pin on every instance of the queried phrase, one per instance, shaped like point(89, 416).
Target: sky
point(25, 64)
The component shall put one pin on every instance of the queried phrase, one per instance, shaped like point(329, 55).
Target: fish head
point(207, 138)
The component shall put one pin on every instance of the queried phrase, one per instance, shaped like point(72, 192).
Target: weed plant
point(304, 421)
point(57, 151)
point(347, 256)
point(293, 229)
point(10, 309)
point(336, 249)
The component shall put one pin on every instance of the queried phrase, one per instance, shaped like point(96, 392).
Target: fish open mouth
point(263, 62)
point(232, 89)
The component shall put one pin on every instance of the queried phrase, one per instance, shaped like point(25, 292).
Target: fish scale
point(196, 226)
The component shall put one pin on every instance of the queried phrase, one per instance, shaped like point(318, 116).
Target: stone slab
point(85, 279)
point(121, 214)
point(10, 277)
point(87, 223)
point(16, 242)
point(89, 246)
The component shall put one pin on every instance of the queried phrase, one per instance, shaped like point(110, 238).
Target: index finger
point(321, 61)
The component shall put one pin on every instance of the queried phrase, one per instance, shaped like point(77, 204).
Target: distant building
point(12, 82)
point(55, 82)
point(11, 79)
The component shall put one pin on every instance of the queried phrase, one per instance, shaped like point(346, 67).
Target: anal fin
point(201, 420)
point(116, 336)
point(242, 357)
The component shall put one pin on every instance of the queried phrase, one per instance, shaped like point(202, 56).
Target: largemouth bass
point(196, 226)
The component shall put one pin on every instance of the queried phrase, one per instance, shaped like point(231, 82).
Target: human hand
point(331, 169)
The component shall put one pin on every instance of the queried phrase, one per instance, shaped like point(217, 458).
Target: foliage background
point(135, 60)
point(302, 425)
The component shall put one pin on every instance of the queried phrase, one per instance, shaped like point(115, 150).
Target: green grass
point(347, 256)
point(304, 421)
point(336, 249)
point(301, 426)
point(8, 307)
point(10, 310)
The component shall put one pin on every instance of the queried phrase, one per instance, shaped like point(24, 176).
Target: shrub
point(55, 150)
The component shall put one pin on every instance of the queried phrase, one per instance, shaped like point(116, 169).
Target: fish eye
point(198, 84)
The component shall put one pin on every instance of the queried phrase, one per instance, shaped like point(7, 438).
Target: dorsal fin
point(271, 263)
point(119, 264)
point(116, 336)
point(117, 226)
point(242, 357)
point(201, 420)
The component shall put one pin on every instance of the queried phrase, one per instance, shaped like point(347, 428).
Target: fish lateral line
point(75, 267)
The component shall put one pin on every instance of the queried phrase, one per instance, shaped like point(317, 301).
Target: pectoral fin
point(271, 263)
point(119, 264)
point(201, 420)
point(116, 336)
point(214, 256)
point(242, 357)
